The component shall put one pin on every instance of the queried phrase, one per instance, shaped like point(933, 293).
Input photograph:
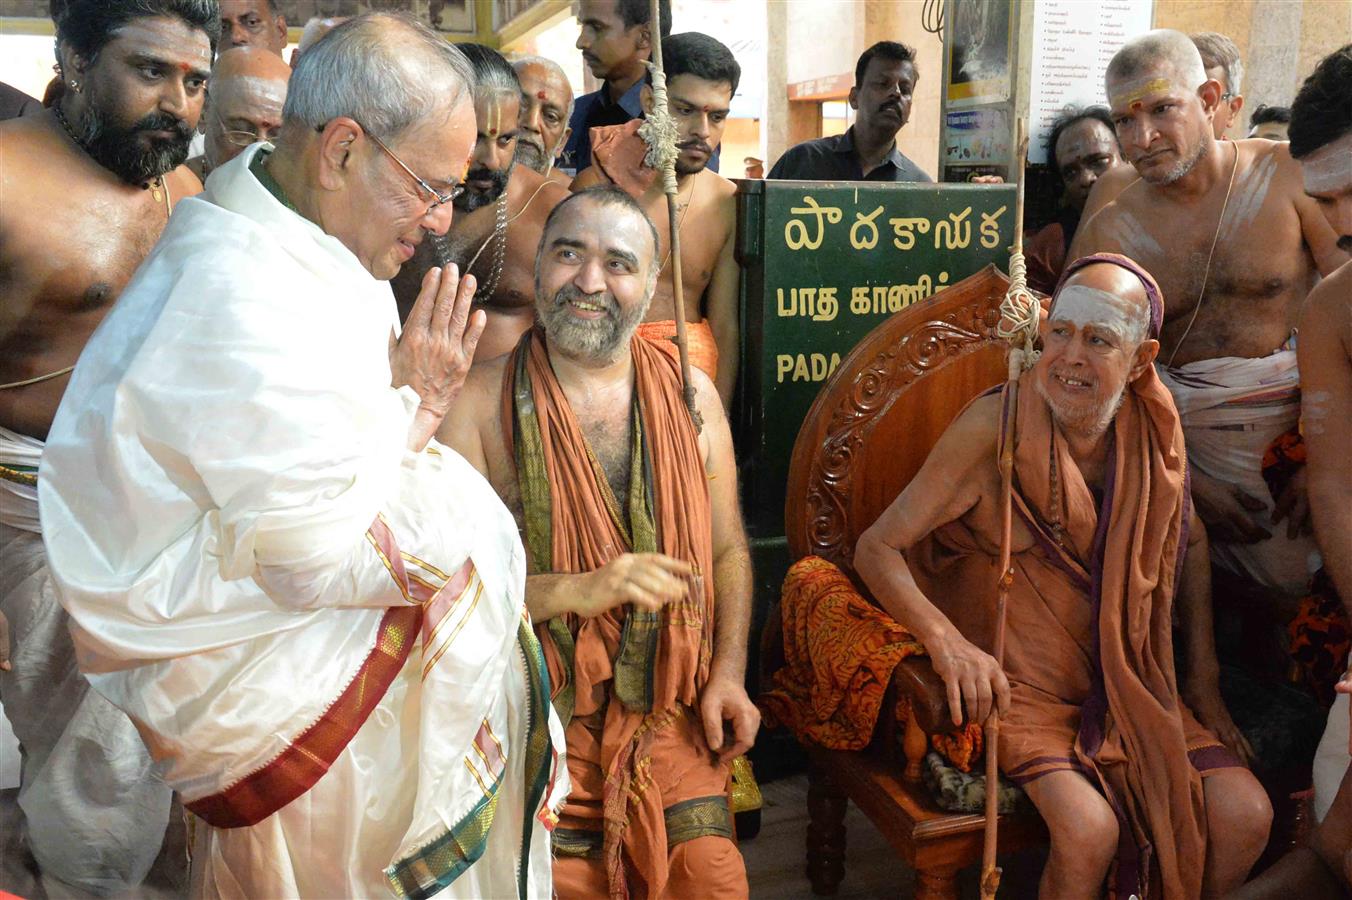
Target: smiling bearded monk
point(640, 579)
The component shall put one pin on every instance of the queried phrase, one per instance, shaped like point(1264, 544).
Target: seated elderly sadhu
point(640, 580)
point(1093, 722)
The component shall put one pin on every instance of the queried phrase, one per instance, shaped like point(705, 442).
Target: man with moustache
point(499, 216)
point(1227, 229)
point(1094, 723)
point(88, 187)
point(244, 105)
point(640, 580)
point(1081, 148)
point(253, 23)
point(546, 107)
point(616, 39)
point(313, 612)
point(884, 84)
point(702, 77)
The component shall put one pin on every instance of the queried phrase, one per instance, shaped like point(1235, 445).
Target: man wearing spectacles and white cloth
point(313, 612)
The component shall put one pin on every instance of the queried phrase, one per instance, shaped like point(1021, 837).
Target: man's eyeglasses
point(439, 199)
point(241, 138)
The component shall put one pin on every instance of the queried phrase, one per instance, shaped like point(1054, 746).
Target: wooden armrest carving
point(915, 678)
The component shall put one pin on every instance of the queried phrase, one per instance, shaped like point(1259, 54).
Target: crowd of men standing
point(444, 584)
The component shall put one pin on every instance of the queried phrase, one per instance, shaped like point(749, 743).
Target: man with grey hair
point(1227, 230)
point(546, 108)
point(275, 531)
point(1220, 58)
point(499, 217)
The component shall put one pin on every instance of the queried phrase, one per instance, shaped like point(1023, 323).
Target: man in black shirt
point(615, 39)
point(884, 81)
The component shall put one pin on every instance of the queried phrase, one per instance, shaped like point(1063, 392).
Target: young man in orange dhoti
point(640, 580)
point(1094, 722)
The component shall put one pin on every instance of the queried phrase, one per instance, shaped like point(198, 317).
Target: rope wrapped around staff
point(659, 133)
point(1019, 316)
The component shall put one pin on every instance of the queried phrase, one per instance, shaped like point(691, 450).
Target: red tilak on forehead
point(540, 95)
point(184, 68)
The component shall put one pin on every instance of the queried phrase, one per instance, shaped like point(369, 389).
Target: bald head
point(248, 62)
point(244, 102)
point(1159, 54)
point(1094, 344)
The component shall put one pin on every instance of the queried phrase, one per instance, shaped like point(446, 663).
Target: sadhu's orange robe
point(1089, 650)
point(648, 815)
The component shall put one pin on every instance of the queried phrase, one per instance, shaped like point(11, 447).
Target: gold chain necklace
point(159, 188)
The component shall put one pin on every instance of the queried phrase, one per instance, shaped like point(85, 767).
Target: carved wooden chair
point(864, 438)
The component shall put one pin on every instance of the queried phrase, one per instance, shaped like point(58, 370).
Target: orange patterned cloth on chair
point(839, 653)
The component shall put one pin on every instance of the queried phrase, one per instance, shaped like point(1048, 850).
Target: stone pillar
point(777, 126)
point(1273, 70)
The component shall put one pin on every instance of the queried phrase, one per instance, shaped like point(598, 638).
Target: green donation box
point(823, 263)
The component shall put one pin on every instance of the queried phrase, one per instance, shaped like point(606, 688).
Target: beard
point(473, 199)
point(684, 168)
point(1183, 167)
point(593, 339)
point(122, 151)
point(1089, 418)
point(532, 155)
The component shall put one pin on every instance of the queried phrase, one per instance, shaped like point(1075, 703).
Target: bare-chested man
point(1095, 725)
point(1321, 139)
point(639, 579)
point(702, 78)
point(87, 187)
point(244, 105)
point(546, 107)
point(1236, 244)
point(498, 216)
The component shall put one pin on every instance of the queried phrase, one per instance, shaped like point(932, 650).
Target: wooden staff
point(661, 117)
point(1019, 312)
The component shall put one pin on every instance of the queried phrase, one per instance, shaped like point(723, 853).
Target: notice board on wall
point(1073, 42)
